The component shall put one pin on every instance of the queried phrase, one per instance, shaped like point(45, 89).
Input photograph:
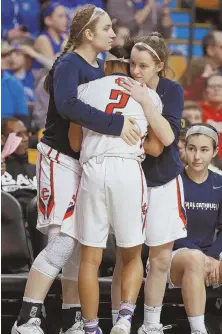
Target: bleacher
point(182, 19)
point(179, 43)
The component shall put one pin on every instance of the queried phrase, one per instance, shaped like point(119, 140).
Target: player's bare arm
point(75, 136)
point(152, 145)
point(158, 123)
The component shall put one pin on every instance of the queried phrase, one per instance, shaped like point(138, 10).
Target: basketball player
point(165, 214)
point(58, 169)
point(196, 259)
point(111, 192)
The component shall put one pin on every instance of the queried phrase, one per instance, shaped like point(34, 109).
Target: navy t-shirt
point(71, 70)
point(162, 169)
point(203, 203)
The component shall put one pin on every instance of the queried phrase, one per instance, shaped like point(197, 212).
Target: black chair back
point(14, 247)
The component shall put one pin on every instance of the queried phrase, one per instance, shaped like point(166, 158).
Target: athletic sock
point(152, 315)
point(91, 326)
point(126, 311)
point(115, 316)
point(197, 324)
point(71, 313)
point(31, 308)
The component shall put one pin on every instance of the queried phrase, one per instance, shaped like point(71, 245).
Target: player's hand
point(211, 271)
point(28, 50)
point(137, 91)
point(16, 32)
point(130, 132)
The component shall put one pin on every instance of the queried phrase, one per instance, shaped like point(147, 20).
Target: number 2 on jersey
point(115, 93)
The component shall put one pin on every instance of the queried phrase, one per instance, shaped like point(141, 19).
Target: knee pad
point(71, 269)
point(53, 258)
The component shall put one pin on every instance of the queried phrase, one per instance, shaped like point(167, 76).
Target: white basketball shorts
point(166, 216)
point(111, 193)
point(58, 177)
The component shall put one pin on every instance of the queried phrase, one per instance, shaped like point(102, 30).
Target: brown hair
point(156, 41)
point(80, 19)
point(44, 6)
point(188, 104)
point(118, 52)
point(208, 40)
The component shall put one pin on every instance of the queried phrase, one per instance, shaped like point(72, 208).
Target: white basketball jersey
point(106, 95)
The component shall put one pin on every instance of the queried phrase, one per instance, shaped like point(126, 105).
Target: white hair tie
point(110, 57)
point(146, 46)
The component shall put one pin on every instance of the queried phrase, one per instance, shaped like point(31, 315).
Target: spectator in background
point(192, 112)
point(122, 33)
point(201, 68)
point(5, 52)
point(212, 49)
point(72, 5)
point(53, 26)
point(142, 16)
point(26, 46)
point(212, 105)
point(20, 18)
point(13, 102)
point(185, 125)
point(40, 106)
point(19, 179)
point(19, 63)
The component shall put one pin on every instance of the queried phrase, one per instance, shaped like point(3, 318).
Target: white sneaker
point(77, 328)
point(197, 332)
point(122, 326)
point(30, 327)
point(157, 329)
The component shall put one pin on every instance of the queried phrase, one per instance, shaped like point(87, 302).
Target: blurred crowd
point(33, 35)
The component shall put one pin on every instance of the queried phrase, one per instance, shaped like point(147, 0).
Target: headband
point(110, 57)
point(146, 46)
point(203, 130)
point(96, 12)
point(48, 10)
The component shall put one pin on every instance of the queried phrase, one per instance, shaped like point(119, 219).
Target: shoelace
point(166, 327)
point(78, 326)
point(153, 329)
